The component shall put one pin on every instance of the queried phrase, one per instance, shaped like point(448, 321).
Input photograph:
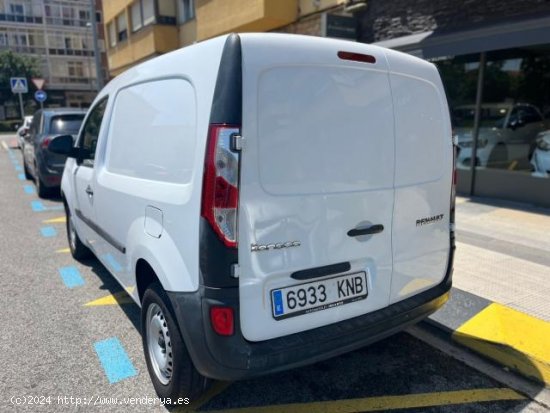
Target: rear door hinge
point(235, 271)
point(237, 142)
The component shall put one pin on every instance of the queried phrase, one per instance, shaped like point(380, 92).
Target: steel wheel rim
point(159, 345)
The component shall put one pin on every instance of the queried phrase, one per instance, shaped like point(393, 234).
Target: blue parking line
point(48, 232)
point(29, 189)
point(114, 360)
point(18, 168)
point(21, 177)
point(37, 206)
point(71, 276)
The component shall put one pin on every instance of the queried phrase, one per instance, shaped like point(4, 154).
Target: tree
point(17, 65)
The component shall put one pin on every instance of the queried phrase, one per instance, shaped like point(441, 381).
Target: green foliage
point(17, 65)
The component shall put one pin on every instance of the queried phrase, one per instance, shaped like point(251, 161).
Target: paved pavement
point(499, 304)
point(503, 254)
point(69, 332)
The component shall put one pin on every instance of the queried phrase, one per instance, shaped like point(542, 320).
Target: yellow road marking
point(510, 337)
point(55, 220)
point(216, 389)
point(63, 251)
point(512, 166)
point(112, 299)
point(372, 404)
point(5, 146)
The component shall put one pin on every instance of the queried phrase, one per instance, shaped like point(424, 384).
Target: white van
point(268, 200)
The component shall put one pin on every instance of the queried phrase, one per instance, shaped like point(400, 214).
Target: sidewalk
point(500, 303)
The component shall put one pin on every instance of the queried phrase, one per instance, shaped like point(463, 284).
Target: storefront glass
point(516, 91)
point(513, 148)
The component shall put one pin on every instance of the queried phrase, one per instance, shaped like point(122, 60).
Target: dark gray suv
point(41, 165)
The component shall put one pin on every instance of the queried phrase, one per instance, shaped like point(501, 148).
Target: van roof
point(169, 64)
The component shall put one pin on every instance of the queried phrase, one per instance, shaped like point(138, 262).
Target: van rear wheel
point(170, 366)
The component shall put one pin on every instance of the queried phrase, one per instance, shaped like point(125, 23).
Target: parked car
point(540, 160)
point(506, 134)
point(41, 165)
point(23, 130)
point(268, 200)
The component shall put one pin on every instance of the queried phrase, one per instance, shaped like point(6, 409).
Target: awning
point(507, 35)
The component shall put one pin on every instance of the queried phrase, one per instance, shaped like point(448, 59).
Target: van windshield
point(66, 124)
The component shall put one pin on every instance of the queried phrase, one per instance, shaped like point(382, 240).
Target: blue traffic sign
point(19, 85)
point(40, 96)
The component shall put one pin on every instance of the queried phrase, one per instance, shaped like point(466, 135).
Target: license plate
point(318, 295)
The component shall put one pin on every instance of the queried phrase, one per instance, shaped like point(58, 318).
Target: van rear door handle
point(89, 191)
point(374, 229)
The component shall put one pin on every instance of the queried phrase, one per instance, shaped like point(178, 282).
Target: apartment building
point(140, 29)
point(59, 33)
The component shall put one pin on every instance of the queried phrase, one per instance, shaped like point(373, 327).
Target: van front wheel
point(171, 369)
point(79, 251)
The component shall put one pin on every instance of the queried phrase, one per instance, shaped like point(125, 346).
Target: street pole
point(21, 106)
point(477, 118)
point(99, 74)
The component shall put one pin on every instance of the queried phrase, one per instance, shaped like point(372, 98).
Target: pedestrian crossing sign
point(19, 85)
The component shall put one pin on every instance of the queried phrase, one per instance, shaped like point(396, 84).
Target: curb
point(509, 337)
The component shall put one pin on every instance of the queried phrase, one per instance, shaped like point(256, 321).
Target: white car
point(506, 134)
point(268, 200)
point(541, 155)
point(23, 130)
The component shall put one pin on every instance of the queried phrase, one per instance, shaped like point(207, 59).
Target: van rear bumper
point(234, 358)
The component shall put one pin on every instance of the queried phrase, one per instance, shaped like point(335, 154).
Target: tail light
point(220, 194)
point(45, 142)
point(222, 321)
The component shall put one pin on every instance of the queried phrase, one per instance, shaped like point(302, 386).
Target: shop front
point(497, 80)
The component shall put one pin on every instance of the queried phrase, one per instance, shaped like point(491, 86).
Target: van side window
point(152, 132)
point(90, 133)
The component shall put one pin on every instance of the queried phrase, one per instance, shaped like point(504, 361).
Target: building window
point(122, 27)
point(137, 22)
point(187, 10)
point(68, 15)
point(512, 154)
point(53, 14)
point(3, 39)
point(166, 12)
point(76, 69)
point(84, 17)
point(148, 12)
point(111, 31)
point(17, 12)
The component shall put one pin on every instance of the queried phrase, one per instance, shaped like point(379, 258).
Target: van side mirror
point(63, 145)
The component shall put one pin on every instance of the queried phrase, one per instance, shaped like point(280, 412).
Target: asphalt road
point(59, 342)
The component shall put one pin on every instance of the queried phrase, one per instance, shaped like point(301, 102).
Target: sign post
point(19, 85)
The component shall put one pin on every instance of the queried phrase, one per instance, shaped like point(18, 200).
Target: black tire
point(185, 380)
point(79, 251)
point(41, 190)
point(26, 170)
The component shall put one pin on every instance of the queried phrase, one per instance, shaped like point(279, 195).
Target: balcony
point(146, 43)
point(216, 17)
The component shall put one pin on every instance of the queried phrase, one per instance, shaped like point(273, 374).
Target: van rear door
point(423, 176)
point(316, 184)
